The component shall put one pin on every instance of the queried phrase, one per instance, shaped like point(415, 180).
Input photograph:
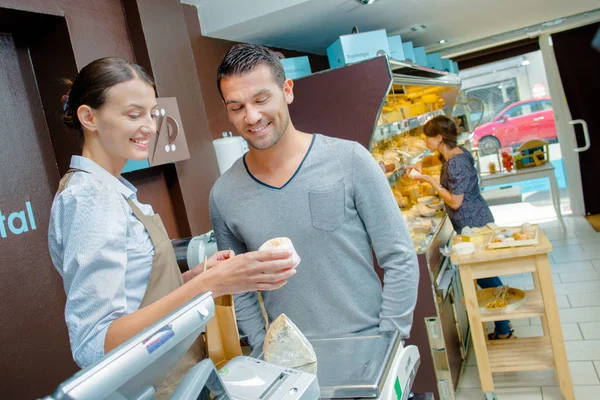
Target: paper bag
point(222, 338)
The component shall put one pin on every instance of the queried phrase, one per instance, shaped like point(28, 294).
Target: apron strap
point(137, 212)
point(64, 181)
point(153, 224)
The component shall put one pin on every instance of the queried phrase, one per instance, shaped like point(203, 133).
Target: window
point(520, 110)
point(546, 105)
point(542, 105)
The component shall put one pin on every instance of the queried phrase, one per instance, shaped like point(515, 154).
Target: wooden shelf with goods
point(527, 354)
point(533, 307)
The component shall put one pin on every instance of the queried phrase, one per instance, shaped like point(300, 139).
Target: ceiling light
point(418, 28)
point(525, 62)
point(442, 41)
point(366, 2)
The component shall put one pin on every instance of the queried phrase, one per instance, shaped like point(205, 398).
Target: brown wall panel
point(158, 191)
point(426, 380)
point(35, 352)
point(89, 30)
point(97, 28)
point(172, 62)
point(348, 104)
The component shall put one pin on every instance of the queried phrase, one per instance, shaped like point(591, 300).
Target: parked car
point(516, 124)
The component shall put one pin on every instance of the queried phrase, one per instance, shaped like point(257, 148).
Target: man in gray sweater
point(327, 195)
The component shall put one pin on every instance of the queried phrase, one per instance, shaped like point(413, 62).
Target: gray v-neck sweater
point(335, 209)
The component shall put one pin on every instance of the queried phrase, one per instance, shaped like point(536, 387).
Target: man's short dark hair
point(243, 58)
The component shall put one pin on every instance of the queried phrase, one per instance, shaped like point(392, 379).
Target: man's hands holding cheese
point(269, 268)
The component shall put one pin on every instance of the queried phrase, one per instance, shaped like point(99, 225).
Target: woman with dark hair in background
point(118, 265)
point(459, 188)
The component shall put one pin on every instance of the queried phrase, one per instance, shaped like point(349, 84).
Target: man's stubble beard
point(275, 138)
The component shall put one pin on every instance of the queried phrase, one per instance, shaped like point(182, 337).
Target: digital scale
point(368, 366)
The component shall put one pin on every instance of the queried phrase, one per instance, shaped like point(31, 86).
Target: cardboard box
point(420, 56)
point(409, 52)
point(396, 49)
point(434, 61)
point(349, 49)
point(296, 67)
point(447, 65)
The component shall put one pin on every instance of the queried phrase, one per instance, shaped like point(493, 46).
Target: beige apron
point(165, 277)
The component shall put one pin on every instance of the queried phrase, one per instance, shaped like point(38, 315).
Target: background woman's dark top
point(459, 176)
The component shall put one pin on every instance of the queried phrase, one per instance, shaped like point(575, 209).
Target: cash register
point(374, 366)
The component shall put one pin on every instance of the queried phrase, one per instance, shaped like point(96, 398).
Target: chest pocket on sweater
point(328, 207)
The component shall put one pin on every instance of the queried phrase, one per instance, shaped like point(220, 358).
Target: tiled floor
point(575, 265)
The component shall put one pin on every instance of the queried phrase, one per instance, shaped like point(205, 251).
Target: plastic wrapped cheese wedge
point(425, 211)
point(286, 346)
point(282, 243)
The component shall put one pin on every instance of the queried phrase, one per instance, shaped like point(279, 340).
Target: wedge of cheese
point(282, 243)
point(286, 346)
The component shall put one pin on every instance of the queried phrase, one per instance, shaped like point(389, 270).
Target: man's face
point(257, 106)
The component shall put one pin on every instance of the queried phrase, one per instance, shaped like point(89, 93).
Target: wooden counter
point(536, 353)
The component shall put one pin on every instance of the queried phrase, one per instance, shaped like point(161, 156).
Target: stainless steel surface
point(247, 378)
point(181, 246)
point(408, 69)
point(356, 365)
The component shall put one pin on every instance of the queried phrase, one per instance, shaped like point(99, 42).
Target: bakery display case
point(398, 141)
point(383, 104)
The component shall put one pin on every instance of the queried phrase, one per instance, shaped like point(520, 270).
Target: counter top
point(438, 221)
point(483, 254)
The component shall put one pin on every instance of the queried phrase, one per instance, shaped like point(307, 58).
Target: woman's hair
point(93, 82)
point(444, 126)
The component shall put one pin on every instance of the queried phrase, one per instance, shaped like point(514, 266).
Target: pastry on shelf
point(425, 210)
point(421, 226)
point(426, 200)
point(436, 204)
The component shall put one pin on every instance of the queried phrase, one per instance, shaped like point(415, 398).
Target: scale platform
point(365, 365)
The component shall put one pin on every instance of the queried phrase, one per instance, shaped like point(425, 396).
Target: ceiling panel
point(312, 25)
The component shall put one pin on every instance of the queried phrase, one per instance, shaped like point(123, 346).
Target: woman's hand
point(210, 262)
point(422, 178)
point(248, 272)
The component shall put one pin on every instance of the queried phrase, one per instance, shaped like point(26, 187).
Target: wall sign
point(17, 222)
point(169, 143)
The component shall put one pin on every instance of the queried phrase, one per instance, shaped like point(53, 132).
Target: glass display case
point(398, 141)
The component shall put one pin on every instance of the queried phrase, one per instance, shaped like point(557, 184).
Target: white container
point(463, 248)
point(229, 149)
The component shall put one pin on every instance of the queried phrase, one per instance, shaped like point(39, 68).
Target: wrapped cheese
point(425, 211)
point(281, 243)
point(286, 346)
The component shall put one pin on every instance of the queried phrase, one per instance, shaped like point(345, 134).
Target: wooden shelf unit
point(533, 307)
point(527, 354)
point(520, 354)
